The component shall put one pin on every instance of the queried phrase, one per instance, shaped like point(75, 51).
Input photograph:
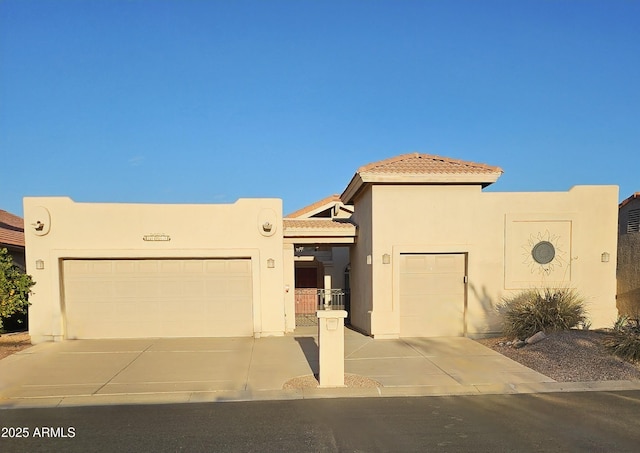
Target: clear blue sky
point(208, 101)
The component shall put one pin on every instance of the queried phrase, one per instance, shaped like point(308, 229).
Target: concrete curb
point(315, 393)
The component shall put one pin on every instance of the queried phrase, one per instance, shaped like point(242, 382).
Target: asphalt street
point(551, 422)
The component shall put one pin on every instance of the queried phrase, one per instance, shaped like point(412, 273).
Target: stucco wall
point(289, 287)
point(497, 232)
point(628, 265)
point(361, 271)
point(110, 230)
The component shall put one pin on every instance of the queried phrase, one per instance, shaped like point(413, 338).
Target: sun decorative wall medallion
point(543, 253)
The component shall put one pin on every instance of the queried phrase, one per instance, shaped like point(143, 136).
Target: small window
point(633, 221)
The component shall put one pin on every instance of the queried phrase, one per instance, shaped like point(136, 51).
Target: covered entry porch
point(317, 251)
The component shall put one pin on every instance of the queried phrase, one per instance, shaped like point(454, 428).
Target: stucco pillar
point(328, 269)
point(288, 259)
point(331, 347)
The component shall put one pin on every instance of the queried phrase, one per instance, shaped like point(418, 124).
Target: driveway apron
point(200, 369)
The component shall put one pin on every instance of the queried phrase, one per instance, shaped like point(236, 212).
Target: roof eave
point(432, 178)
point(352, 189)
point(321, 232)
point(360, 179)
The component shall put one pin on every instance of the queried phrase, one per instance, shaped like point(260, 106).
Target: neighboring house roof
point(11, 229)
point(316, 223)
point(318, 230)
point(629, 200)
point(318, 206)
point(416, 168)
point(329, 207)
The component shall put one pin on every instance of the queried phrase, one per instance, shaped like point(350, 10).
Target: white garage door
point(432, 295)
point(158, 298)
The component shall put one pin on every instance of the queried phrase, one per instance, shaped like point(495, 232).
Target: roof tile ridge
point(468, 163)
point(473, 164)
point(389, 160)
point(402, 157)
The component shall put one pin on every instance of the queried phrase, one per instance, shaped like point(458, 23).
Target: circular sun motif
point(543, 253)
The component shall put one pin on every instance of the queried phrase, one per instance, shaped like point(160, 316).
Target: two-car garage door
point(145, 298)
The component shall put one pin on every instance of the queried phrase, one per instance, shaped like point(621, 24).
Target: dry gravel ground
point(310, 381)
point(570, 356)
point(11, 343)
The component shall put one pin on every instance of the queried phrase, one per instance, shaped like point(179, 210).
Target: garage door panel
point(429, 284)
point(193, 267)
point(147, 266)
point(99, 267)
point(446, 263)
point(241, 267)
point(158, 298)
point(175, 289)
point(88, 288)
point(415, 263)
point(123, 267)
point(238, 286)
point(170, 266)
point(215, 266)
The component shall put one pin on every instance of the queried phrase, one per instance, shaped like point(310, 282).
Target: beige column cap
point(331, 314)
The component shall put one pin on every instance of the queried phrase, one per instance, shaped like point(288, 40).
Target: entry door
point(432, 294)
point(306, 290)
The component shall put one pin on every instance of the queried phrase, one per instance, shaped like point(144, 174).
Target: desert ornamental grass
point(546, 309)
point(624, 341)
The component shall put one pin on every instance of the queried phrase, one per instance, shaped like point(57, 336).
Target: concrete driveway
point(82, 372)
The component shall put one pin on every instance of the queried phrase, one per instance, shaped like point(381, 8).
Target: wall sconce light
point(604, 257)
point(39, 264)
point(386, 258)
point(271, 263)
point(266, 227)
point(368, 259)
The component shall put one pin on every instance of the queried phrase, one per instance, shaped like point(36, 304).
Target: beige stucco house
point(629, 257)
point(412, 247)
point(136, 270)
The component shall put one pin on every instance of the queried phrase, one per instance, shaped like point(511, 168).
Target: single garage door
point(432, 295)
point(146, 298)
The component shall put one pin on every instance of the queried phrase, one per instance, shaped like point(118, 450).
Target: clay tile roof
point(11, 229)
point(312, 207)
point(317, 223)
point(416, 168)
point(415, 163)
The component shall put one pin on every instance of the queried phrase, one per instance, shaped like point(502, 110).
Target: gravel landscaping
point(350, 380)
point(10, 343)
point(569, 356)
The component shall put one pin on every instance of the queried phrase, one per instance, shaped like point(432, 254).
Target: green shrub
point(624, 341)
point(15, 287)
point(546, 309)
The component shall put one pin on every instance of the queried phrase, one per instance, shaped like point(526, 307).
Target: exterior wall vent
point(633, 221)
